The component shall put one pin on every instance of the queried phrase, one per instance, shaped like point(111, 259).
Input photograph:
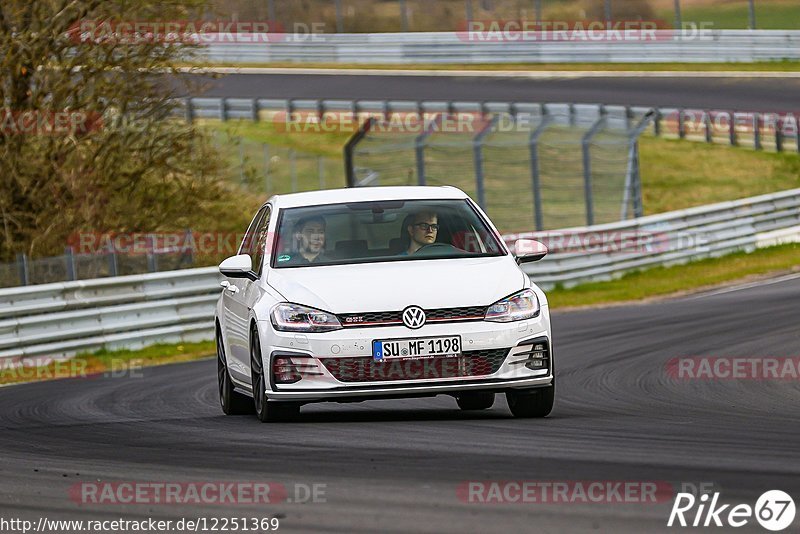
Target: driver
point(309, 237)
point(422, 230)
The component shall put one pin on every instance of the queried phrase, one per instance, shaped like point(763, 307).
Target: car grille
point(439, 315)
point(366, 369)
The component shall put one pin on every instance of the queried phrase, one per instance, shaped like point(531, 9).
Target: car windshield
point(396, 230)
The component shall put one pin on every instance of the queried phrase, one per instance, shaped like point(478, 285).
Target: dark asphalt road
point(394, 466)
point(744, 94)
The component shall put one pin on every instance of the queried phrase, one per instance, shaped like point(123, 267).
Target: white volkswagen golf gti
point(380, 292)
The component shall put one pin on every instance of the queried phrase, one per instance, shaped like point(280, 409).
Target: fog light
point(284, 371)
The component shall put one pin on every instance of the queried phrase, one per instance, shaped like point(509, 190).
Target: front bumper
point(351, 344)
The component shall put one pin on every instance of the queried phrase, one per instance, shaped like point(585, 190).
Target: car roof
point(366, 194)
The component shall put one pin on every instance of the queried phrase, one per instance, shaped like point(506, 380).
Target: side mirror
point(240, 266)
point(528, 250)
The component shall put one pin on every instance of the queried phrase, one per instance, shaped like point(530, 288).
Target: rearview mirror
point(528, 250)
point(240, 266)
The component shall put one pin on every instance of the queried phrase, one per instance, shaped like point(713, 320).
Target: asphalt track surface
point(395, 466)
point(742, 94)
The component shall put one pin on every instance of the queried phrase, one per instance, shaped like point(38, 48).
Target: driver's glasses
point(427, 227)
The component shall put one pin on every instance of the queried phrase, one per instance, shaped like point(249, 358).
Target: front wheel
point(529, 403)
point(231, 401)
point(267, 411)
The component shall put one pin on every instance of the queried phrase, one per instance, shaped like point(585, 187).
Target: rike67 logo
point(774, 510)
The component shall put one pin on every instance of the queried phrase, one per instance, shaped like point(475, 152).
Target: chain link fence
point(544, 166)
point(267, 169)
point(71, 266)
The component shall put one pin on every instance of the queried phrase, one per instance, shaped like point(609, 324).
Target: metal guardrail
point(704, 46)
point(608, 251)
point(132, 311)
point(123, 312)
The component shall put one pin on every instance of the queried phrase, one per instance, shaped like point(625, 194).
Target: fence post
point(607, 10)
point(477, 153)
point(678, 18)
point(681, 125)
point(187, 249)
point(189, 110)
point(339, 17)
point(638, 205)
point(266, 168)
point(403, 16)
point(271, 12)
point(349, 149)
point(779, 135)
point(223, 109)
point(69, 260)
point(152, 259)
point(535, 178)
point(254, 109)
point(757, 131)
point(538, 9)
point(732, 130)
point(293, 168)
point(587, 165)
point(633, 184)
point(112, 263)
point(419, 149)
point(22, 267)
point(707, 122)
point(752, 15)
point(469, 10)
point(657, 122)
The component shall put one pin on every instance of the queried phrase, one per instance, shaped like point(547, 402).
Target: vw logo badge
point(414, 317)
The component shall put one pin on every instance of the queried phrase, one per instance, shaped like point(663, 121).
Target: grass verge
point(678, 279)
point(109, 363)
point(679, 174)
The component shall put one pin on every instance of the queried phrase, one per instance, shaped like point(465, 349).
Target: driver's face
point(312, 238)
point(422, 231)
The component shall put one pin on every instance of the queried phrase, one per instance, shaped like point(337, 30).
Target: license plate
point(423, 347)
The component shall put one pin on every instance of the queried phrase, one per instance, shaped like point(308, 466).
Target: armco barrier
point(133, 311)
point(690, 46)
point(666, 239)
point(126, 311)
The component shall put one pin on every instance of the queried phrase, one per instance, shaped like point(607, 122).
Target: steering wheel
point(434, 248)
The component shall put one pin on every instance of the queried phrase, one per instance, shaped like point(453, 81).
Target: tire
point(532, 402)
point(231, 401)
point(266, 411)
point(478, 400)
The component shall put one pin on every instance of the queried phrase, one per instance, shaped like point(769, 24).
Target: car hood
point(390, 286)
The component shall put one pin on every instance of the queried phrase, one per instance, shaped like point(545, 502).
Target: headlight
point(295, 318)
point(517, 307)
